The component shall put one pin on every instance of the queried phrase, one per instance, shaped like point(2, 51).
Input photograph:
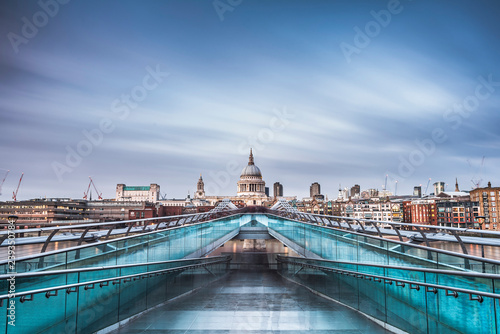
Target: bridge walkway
point(252, 301)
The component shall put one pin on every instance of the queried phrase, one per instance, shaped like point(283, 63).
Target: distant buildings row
point(456, 209)
point(476, 209)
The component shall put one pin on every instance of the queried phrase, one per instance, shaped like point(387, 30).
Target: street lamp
point(481, 228)
point(481, 222)
point(12, 219)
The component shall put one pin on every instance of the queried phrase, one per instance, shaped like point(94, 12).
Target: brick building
point(488, 200)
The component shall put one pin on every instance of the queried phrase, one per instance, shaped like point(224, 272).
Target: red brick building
point(420, 212)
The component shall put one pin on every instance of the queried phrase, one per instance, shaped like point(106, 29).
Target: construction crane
point(1, 184)
point(14, 193)
point(427, 188)
point(86, 193)
point(476, 183)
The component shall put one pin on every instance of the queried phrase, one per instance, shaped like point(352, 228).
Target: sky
point(336, 92)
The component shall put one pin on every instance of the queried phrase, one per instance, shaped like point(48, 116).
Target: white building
point(373, 210)
point(149, 193)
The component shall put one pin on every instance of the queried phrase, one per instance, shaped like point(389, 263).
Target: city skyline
point(331, 93)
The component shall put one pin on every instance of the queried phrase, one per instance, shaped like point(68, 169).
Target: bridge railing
point(88, 300)
point(103, 231)
point(312, 239)
point(403, 231)
point(166, 244)
point(415, 300)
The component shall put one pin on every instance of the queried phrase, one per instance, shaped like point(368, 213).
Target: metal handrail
point(402, 282)
point(431, 249)
point(422, 269)
point(32, 256)
point(458, 229)
point(70, 227)
point(116, 280)
point(272, 213)
point(120, 266)
point(203, 216)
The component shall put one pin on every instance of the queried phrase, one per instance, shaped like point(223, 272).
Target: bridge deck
point(253, 302)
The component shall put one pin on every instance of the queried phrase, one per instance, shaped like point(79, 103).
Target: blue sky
point(338, 92)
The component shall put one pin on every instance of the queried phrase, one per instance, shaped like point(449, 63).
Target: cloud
point(352, 122)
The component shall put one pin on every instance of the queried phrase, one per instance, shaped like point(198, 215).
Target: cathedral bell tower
point(200, 189)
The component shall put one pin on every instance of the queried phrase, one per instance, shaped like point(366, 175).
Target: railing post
point(429, 255)
point(374, 224)
point(83, 235)
point(109, 232)
point(398, 233)
point(44, 248)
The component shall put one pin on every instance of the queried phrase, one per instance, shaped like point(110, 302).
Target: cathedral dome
point(251, 169)
point(251, 185)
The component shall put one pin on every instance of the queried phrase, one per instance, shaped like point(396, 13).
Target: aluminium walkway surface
point(257, 301)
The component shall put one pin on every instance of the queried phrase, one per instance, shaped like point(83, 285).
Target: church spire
point(456, 185)
point(250, 159)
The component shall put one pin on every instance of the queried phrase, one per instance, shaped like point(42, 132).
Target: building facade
point(149, 193)
point(355, 191)
point(111, 210)
point(420, 212)
point(277, 190)
point(488, 201)
point(314, 190)
point(46, 211)
point(438, 188)
point(372, 209)
point(456, 213)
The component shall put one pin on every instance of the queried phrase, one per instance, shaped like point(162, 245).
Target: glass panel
point(406, 308)
point(97, 307)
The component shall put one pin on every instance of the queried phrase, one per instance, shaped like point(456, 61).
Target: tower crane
point(477, 182)
point(14, 193)
point(426, 188)
point(86, 193)
point(1, 184)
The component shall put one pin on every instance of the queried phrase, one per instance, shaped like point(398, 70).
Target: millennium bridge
point(248, 270)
